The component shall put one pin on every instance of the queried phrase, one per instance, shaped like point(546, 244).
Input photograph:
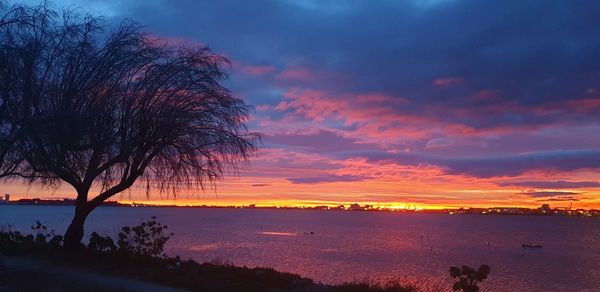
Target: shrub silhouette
point(468, 278)
point(42, 240)
point(44, 237)
point(146, 239)
point(101, 243)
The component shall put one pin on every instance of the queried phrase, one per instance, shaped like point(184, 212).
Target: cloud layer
point(463, 101)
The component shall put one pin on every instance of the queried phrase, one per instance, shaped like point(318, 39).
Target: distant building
point(321, 207)
point(545, 208)
point(5, 200)
point(355, 207)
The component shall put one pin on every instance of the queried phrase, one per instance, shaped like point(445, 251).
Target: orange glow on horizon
point(312, 204)
point(381, 184)
point(284, 204)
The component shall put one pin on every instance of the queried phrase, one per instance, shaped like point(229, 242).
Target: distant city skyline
point(434, 103)
point(544, 209)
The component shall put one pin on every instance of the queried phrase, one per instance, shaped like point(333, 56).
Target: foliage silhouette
point(146, 239)
point(469, 278)
point(101, 243)
point(42, 240)
point(11, 121)
point(101, 109)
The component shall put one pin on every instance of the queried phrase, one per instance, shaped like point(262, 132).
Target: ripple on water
point(352, 246)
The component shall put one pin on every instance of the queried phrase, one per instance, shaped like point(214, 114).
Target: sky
point(429, 104)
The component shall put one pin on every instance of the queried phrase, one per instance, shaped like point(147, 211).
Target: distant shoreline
point(513, 211)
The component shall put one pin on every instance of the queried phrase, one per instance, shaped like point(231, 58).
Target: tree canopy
point(89, 104)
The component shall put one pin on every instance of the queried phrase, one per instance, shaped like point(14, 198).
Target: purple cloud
point(321, 141)
point(330, 178)
point(506, 165)
point(552, 184)
point(514, 165)
point(560, 199)
point(535, 194)
point(514, 91)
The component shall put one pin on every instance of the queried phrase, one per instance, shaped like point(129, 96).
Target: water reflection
point(347, 246)
point(278, 233)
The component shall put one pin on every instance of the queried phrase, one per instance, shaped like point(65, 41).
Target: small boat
point(531, 245)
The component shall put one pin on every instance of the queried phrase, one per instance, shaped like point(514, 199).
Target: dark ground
point(26, 274)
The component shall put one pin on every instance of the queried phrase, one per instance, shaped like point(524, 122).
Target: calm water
point(348, 246)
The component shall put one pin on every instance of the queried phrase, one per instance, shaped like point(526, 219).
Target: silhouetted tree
point(468, 278)
point(109, 108)
point(10, 114)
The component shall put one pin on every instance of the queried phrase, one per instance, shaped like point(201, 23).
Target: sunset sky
point(431, 103)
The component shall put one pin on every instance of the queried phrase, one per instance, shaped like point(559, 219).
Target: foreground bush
point(468, 278)
point(146, 239)
point(43, 240)
point(101, 243)
point(374, 287)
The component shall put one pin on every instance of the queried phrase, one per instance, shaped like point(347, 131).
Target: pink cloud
point(447, 81)
point(257, 70)
point(313, 104)
point(484, 95)
point(380, 119)
point(584, 105)
point(373, 98)
point(438, 143)
point(392, 123)
point(320, 105)
point(296, 74)
point(263, 107)
point(388, 170)
point(372, 115)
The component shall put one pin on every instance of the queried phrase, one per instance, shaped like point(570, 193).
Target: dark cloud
point(325, 179)
point(532, 52)
point(513, 77)
point(536, 56)
point(552, 184)
point(507, 165)
point(513, 165)
point(535, 194)
point(322, 141)
point(560, 199)
point(552, 196)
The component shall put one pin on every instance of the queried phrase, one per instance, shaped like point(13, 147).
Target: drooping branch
point(110, 108)
point(91, 106)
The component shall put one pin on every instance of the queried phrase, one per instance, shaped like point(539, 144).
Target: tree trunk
point(74, 233)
